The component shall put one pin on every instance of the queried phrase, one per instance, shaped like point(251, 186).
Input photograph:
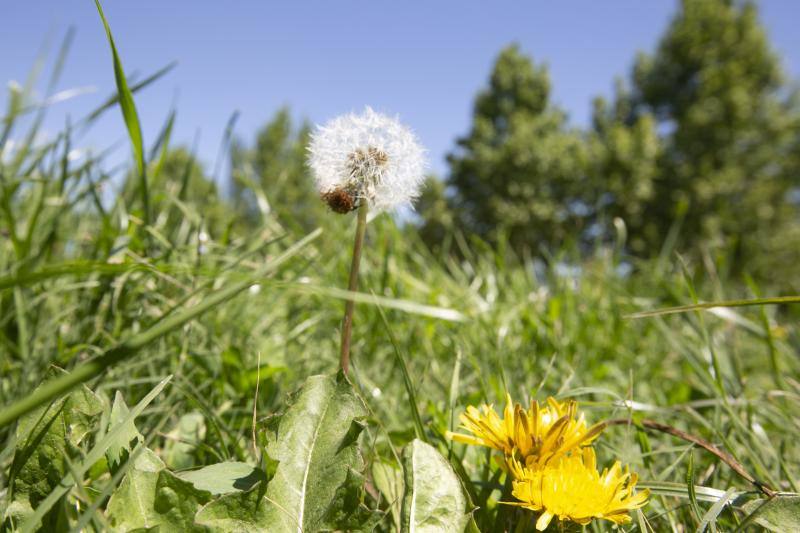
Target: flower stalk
point(364, 162)
point(352, 286)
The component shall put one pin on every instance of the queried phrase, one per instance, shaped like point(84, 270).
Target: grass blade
point(704, 306)
point(114, 99)
point(715, 510)
point(412, 395)
point(130, 115)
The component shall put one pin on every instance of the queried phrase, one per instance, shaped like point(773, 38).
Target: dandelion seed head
point(367, 157)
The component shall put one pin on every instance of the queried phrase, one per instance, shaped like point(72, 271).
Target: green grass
point(82, 277)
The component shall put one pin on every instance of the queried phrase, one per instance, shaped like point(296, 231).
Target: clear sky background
point(423, 60)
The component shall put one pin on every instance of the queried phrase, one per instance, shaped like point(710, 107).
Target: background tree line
point(698, 151)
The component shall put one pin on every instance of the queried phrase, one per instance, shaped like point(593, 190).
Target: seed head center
point(367, 163)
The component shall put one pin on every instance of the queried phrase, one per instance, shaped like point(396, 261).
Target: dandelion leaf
point(47, 438)
point(177, 502)
point(316, 446)
point(131, 505)
point(348, 511)
point(151, 496)
point(781, 513)
point(128, 437)
point(316, 484)
point(434, 499)
point(244, 512)
point(223, 478)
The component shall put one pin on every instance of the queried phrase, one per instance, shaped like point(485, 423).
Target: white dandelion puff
point(367, 157)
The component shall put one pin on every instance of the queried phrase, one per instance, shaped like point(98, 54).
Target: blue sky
point(423, 60)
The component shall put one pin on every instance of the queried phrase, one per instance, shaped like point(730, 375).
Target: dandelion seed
point(572, 489)
point(367, 157)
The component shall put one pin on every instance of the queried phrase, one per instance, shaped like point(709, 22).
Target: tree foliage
point(519, 172)
point(723, 175)
point(271, 177)
point(696, 152)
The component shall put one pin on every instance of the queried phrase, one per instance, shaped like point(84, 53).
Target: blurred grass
point(82, 274)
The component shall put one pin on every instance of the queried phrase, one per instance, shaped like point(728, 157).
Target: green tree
point(272, 176)
point(435, 215)
point(519, 173)
point(722, 176)
point(624, 171)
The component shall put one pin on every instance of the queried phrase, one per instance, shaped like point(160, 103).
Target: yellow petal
point(544, 521)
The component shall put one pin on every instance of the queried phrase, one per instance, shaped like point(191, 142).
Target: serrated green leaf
point(45, 438)
point(316, 446)
point(131, 505)
point(434, 500)
point(222, 478)
point(243, 512)
point(77, 470)
point(152, 496)
point(177, 502)
point(128, 437)
point(348, 512)
point(781, 513)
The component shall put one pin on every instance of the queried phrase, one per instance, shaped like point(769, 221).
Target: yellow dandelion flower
point(538, 434)
point(572, 489)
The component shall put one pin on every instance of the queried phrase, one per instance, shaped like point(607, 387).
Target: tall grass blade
point(115, 98)
point(224, 145)
point(777, 300)
point(130, 115)
point(409, 385)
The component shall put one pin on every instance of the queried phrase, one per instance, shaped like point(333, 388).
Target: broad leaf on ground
point(131, 505)
point(118, 452)
point(222, 478)
point(315, 445)
point(244, 512)
point(150, 496)
point(434, 500)
point(46, 437)
point(781, 513)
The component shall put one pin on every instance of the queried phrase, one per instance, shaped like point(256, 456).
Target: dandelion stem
point(352, 286)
